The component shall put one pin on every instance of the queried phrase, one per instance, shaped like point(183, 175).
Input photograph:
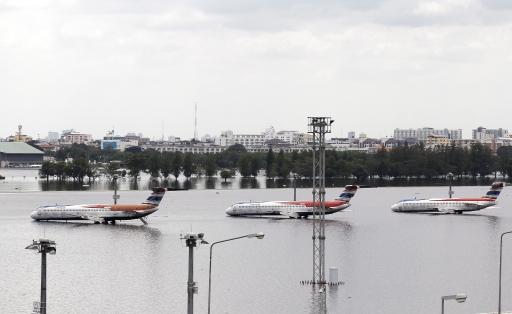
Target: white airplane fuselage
point(448, 205)
point(101, 212)
point(295, 209)
point(98, 212)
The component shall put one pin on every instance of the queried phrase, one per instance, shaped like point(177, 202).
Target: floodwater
point(390, 262)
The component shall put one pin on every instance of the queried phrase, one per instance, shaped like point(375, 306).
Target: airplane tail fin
point(156, 197)
point(348, 193)
point(495, 190)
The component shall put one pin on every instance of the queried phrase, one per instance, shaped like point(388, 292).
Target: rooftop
point(18, 148)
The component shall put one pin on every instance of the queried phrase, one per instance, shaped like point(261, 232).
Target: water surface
point(390, 262)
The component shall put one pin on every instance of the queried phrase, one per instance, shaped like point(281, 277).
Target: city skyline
point(403, 133)
point(372, 65)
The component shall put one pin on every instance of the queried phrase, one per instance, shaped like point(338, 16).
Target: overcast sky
point(373, 65)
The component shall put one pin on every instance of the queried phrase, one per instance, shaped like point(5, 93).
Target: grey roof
point(18, 148)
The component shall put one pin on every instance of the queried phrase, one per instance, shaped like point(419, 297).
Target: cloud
point(119, 57)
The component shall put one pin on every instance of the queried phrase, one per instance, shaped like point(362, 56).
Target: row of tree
point(401, 162)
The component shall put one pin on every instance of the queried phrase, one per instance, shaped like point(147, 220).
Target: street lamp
point(43, 246)
point(191, 240)
point(258, 235)
point(499, 289)
point(460, 298)
point(115, 197)
point(450, 176)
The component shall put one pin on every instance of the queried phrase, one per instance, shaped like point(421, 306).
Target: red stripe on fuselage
point(311, 204)
point(478, 199)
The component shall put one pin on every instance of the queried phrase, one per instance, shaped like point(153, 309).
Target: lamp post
point(499, 289)
point(191, 240)
point(258, 235)
point(43, 246)
point(460, 298)
point(115, 197)
point(450, 176)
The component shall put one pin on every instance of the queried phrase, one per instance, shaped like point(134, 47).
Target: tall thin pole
point(210, 278)
point(499, 277)
point(43, 281)
point(195, 122)
point(319, 126)
point(295, 188)
point(450, 192)
point(191, 243)
point(115, 189)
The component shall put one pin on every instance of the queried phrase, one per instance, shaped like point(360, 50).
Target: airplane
point(450, 205)
point(292, 209)
point(101, 212)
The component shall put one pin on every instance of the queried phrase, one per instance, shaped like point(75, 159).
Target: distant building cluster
point(286, 140)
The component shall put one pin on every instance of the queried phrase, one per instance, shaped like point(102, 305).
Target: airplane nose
point(34, 214)
point(229, 210)
point(395, 207)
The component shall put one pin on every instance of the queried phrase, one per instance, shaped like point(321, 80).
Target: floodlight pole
point(43, 282)
point(191, 242)
point(43, 246)
point(191, 285)
point(319, 126)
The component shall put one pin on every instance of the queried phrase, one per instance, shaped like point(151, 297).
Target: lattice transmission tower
point(319, 126)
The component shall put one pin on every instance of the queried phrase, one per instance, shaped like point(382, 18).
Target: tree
point(79, 169)
point(244, 165)
point(480, 160)
point(505, 160)
point(226, 174)
point(255, 165)
point(47, 170)
point(153, 164)
point(176, 165)
point(210, 165)
point(269, 170)
point(282, 165)
point(135, 164)
point(165, 165)
point(188, 165)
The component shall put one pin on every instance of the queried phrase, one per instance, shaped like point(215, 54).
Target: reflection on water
point(318, 300)
point(28, 180)
point(249, 183)
point(151, 232)
point(390, 262)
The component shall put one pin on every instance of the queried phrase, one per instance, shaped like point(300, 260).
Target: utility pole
point(319, 126)
point(191, 242)
point(116, 197)
point(42, 246)
point(450, 191)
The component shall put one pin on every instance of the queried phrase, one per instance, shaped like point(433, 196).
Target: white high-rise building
point(53, 136)
point(423, 133)
point(483, 134)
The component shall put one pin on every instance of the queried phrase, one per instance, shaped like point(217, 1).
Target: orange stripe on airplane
point(131, 207)
point(311, 204)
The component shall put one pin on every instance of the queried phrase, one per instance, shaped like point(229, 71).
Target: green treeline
point(401, 162)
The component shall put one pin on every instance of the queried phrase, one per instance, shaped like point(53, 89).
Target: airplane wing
point(471, 205)
point(92, 218)
point(289, 214)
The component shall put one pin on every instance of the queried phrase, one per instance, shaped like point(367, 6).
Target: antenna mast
point(195, 122)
